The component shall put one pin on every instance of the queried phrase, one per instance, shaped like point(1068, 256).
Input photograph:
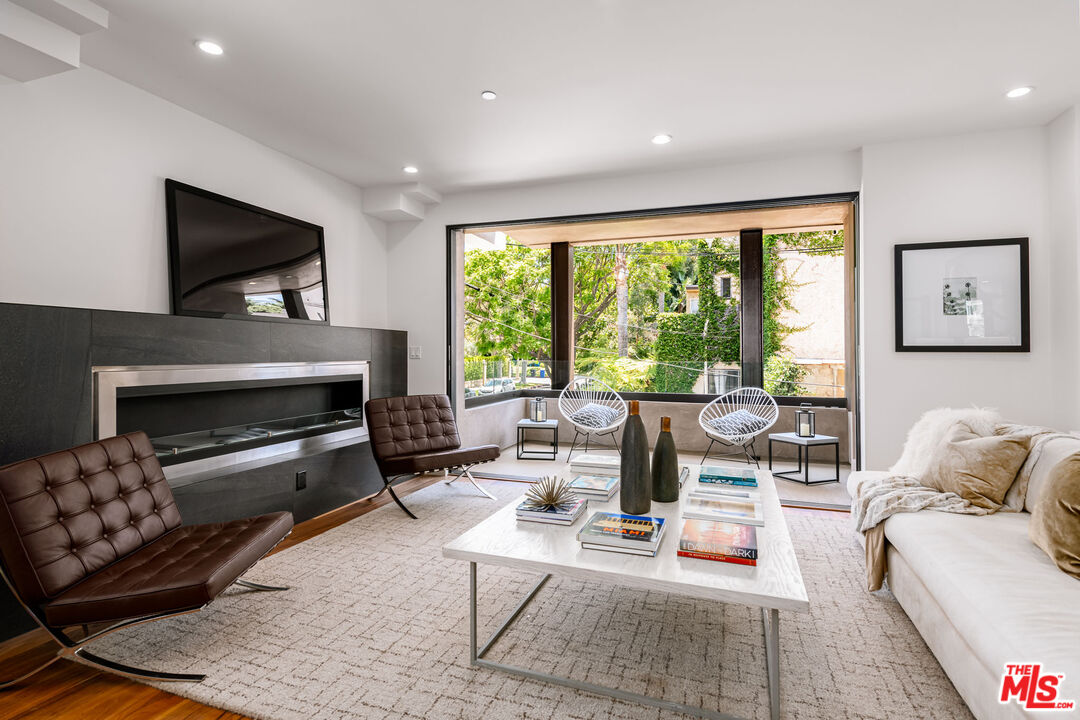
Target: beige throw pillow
point(1055, 521)
point(978, 469)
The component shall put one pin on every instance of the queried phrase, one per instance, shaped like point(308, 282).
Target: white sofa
point(982, 594)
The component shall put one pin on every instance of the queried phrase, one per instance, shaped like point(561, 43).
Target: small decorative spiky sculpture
point(550, 492)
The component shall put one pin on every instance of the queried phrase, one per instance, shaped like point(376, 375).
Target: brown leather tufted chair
point(92, 535)
point(414, 434)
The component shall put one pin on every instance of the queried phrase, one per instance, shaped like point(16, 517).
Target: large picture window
point(665, 312)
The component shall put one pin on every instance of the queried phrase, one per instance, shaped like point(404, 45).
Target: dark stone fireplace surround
point(46, 401)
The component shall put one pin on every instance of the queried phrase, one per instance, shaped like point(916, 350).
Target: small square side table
point(523, 454)
point(804, 444)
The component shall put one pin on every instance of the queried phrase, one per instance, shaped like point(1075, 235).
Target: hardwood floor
point(69, 690)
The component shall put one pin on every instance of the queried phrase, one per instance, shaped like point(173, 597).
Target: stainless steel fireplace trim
point(107, 379)
point(253, 457)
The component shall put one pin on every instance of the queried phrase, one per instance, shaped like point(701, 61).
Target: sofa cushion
point(1052, 452)
point(1055, 522)
point(595, 415)
point(426, 462)
point(977, 468)
point(738, 423)
point(1004, 596)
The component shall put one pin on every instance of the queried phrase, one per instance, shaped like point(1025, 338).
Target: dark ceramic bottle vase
point(665, 465)
point(635, 478)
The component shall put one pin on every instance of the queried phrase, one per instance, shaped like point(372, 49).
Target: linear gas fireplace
point(203, 417)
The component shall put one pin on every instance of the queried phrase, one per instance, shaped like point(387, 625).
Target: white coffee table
point(774, 584)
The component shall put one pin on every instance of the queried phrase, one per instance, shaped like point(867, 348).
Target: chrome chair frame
point(73, 649)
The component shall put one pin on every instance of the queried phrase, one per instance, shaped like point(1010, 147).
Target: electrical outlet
point(301, 479)
point(415, 352)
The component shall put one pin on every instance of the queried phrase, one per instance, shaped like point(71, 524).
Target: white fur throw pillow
point(929, 430)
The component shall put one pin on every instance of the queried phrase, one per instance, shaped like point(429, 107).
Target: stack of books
point(595, 465)
point(614, 532)
point(598, 486)
point(565, 515)
point(719, 541)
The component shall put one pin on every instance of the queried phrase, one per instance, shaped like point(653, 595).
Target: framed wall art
point(968, 296)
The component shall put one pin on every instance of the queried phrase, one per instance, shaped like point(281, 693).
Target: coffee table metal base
point(770, 619)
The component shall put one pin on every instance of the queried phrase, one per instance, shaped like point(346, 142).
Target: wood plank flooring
point(69, 690)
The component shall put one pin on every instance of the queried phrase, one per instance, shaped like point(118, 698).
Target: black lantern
point(804, 421)
point(538, 410)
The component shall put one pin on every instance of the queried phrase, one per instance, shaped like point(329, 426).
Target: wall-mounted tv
point(228, 258)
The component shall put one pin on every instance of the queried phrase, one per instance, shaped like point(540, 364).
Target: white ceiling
point(364, 87)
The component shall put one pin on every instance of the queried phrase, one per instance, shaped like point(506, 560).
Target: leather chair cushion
point(186, 568)
point(65, 515)
point(425, 462)
point(411, 424)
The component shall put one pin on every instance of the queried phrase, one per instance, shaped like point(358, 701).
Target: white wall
point(982, 185)
point(82, 223)
point(83, 157)
point(418, 250)
point(1063, 177)
point(978, 186)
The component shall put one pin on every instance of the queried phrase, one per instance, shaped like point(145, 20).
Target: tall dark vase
point(665, 465)
point(635, 479)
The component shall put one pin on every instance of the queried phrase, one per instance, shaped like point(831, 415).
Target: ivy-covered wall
point(685, 342)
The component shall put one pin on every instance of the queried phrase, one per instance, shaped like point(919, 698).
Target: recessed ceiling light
point(1019, 92)
point(488, 95)
point(288, 277)
point(251, 282)
point(411, 169)
point(318, 262)
point(209, 47)
point(662, 139)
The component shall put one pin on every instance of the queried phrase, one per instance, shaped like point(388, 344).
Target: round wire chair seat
point(736, 418)
point(593, 408)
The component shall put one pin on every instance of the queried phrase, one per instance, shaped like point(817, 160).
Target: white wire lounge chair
point(736, 418)
point(592, 408)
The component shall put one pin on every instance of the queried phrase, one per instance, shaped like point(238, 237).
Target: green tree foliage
point(508, 302)
point(782, 376)
point(508, 308)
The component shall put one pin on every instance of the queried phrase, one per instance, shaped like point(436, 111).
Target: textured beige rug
point(377, 627)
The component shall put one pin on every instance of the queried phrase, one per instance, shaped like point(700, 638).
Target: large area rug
point(376, 626)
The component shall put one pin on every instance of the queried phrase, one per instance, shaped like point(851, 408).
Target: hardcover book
point(723, 471)
point(634, 531)
point(590, 464)
point(707, 491)
point(728, 481)
point(715, 540)
point(613, 548)
point(724, 509)
point(564, 515)
point(602, 485)
point(716, 558)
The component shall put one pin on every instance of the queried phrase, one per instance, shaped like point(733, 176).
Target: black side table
point(523, 454)
point(804, 444)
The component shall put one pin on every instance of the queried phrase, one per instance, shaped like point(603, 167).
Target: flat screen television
point(228, 258)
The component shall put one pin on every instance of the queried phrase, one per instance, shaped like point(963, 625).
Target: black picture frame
point(172, 230)
point(1024, 290)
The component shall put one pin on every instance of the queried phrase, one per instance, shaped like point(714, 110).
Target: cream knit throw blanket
point(879, 498)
